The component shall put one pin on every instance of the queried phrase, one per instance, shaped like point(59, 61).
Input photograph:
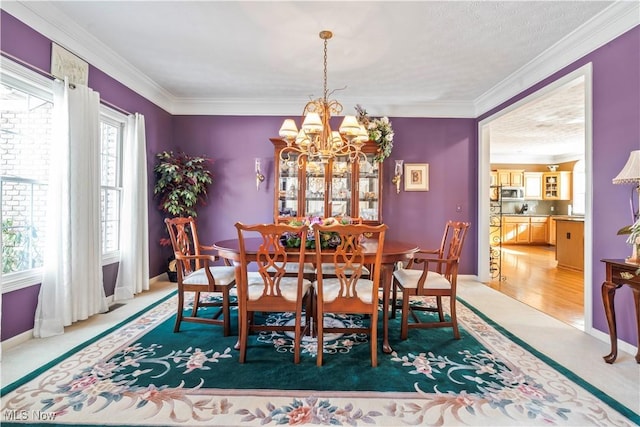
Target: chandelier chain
point(325, 70)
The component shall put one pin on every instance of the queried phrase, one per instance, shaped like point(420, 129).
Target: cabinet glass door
point(288, 191)
point(368, 189)
point(551, 183)
point(341, 182)
point(314, 201)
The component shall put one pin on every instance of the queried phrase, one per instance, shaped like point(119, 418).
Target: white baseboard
point(622, 346)
point(27, 335)
point(16, 340)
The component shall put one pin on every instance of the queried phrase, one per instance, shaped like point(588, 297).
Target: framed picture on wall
point(416, 177)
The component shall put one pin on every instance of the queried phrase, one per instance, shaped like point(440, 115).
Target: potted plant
point(181, 187)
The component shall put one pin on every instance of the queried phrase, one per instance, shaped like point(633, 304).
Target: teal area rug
point(141, 373)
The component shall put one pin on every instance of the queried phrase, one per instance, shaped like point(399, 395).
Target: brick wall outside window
point(25, 138)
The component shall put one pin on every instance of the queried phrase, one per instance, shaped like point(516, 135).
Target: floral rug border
point(259, 407)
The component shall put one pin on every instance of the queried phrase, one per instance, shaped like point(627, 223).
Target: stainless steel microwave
point(508, 194)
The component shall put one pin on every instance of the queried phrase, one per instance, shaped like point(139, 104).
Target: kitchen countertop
point(524, 215)
point(556, 217)
point(578, 218)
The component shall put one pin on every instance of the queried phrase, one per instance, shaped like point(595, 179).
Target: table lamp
point(630, 174)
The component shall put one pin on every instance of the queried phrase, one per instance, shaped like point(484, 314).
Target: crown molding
point(50, 22)
point(289, 107)
point(612, 22)
point(506, 158)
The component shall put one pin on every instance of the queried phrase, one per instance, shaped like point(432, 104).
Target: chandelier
point(315, 141)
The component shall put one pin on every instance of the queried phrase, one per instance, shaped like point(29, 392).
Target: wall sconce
point(397, 176)
point(630, 174)
point(259, 175)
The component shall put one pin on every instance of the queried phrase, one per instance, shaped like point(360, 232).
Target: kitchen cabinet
point(524, 230)
point(533, 185)
point(493, 178)
point(556, 185)
point(515, 230)
point(337, 188)
point(570, 243)
point(510, 177)
point(538, 230)
point(551, 237)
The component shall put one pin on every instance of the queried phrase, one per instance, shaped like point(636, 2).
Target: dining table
point(393, 251)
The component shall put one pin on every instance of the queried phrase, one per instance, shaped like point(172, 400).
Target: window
point(111, 139)
point(26, 125)
point(26, 129)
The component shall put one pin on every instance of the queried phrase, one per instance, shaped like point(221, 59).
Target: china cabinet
point(337, 188)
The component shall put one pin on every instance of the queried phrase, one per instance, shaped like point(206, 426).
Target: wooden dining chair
point(197, 274)
point(272, 289)
point(346, 290)
point(309, 270)
point(431, 273)
point(329, 269)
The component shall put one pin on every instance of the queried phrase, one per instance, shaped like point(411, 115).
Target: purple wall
point(21, 41)
point(616, 132)
point(18, 311)
point(234, 143)
point(448, 145)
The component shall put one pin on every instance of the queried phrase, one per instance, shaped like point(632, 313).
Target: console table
point(619, 273)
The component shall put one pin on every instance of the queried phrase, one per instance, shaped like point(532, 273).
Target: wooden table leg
point(636, 298)
point(608, 294)
point(238, 276)
point(387, 275)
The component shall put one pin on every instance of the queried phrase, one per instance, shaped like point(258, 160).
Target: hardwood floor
point(530, 275)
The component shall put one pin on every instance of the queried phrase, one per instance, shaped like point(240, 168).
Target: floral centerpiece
point(328, 240)
point(380, 131)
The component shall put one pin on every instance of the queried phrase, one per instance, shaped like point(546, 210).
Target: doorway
point(485, 155)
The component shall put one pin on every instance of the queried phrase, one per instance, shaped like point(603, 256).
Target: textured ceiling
point(419, 58)
point(549, 128)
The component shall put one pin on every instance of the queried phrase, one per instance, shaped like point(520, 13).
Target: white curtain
point(72, 287)
point(133, 271)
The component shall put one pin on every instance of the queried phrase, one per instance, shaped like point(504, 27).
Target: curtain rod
point(51, 76)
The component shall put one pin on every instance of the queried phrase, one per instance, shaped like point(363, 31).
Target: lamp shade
point(288, 129)
point(312, 123)
point(630, 173)
point(350, 126)
point(363, 135)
